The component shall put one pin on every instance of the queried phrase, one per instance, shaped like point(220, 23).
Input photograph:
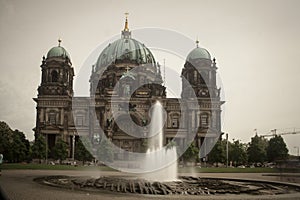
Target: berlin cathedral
point(127, 76)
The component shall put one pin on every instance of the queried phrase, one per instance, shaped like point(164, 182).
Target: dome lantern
point(126, 33)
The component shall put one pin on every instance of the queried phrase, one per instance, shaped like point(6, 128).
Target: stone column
point(62, 115)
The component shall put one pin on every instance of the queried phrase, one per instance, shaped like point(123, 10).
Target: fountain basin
point(186, 185)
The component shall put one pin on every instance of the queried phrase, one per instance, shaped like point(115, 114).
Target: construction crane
point(274, 132)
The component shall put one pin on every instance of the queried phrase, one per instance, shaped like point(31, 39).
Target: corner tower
point(199, 86)
point(55, 96)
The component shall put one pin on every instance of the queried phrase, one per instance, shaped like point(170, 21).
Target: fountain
point(160, 177)
point(160, 162)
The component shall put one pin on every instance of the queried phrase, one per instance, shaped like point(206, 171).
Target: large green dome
point(58, 52)
point(123, 49)
point(198, 53)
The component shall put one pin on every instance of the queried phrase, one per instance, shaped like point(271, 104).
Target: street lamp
point(226, 150)
point(46, 148)
point(73, 145)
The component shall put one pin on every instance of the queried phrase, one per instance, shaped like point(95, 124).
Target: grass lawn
point(9, 166)
point(228, 170)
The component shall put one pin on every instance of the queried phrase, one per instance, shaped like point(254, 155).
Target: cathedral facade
point(126, 81)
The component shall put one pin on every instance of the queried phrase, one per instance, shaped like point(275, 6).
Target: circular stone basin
point(186, 185)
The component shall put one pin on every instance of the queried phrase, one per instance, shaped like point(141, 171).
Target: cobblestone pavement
point(19, 184)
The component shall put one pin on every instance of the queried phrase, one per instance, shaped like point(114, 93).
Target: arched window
point(174, 120)
point(79, 120)
point(126, 91)
point(204, 120)
point(52, 117)
point(54, 76)
point(195, 75)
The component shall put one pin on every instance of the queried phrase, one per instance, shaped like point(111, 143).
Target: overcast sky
point(256, 44)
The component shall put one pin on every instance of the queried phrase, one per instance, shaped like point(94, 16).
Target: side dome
point(58, 51)
point(198, 53)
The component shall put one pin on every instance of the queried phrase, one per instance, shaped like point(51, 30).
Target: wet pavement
point(19, 184)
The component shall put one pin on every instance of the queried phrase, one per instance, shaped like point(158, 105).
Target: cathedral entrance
point(50, 139)
point(122, 138)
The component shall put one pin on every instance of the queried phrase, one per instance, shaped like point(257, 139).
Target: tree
point(6, 140)
point(105, 151)
point(81, 152)
point(20, 147)
point(277, 149)
point(39, 148)
point(257, 149)
point(60, 151)
point(191, 154)
point(218, 153)
point(13, 144)
point(237, 153)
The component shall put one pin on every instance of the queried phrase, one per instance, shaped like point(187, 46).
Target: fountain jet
point(160, 162)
